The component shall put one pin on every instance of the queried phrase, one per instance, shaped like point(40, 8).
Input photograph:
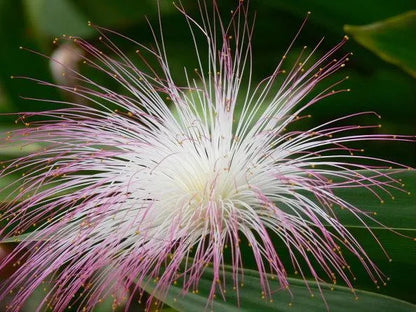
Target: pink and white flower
point(129, 187)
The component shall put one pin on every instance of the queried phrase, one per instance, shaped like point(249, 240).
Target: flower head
point(160, 180)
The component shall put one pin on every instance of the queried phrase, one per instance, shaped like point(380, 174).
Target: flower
point(129, 187)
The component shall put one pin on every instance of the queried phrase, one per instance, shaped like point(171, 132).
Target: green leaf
point(107, 305)
point(339, 299)
point(116, 14)
point(333, 14)
point(4, 192)
point(15, 239)
point(15, 32)
point(398, 214)
point(393, 40)
point(5, 104)
point(57, 17)
point(396, 211)
point(19, 150)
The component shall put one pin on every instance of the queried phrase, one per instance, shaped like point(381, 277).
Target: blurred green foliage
point(376, 85)
point(392, 39)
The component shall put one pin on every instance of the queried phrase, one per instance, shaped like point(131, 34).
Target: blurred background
point(382, 70)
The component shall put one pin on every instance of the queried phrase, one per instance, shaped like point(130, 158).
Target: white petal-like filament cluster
point(132, 186)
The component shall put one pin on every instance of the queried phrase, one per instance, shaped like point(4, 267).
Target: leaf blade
point(392, 39)
point(339, 300)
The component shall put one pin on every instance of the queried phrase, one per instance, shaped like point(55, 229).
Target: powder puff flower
point(164, 179)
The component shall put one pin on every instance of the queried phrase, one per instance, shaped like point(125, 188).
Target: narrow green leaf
point(249, 298)
point(19, 150)
point(15, 239)
point(392, 39)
